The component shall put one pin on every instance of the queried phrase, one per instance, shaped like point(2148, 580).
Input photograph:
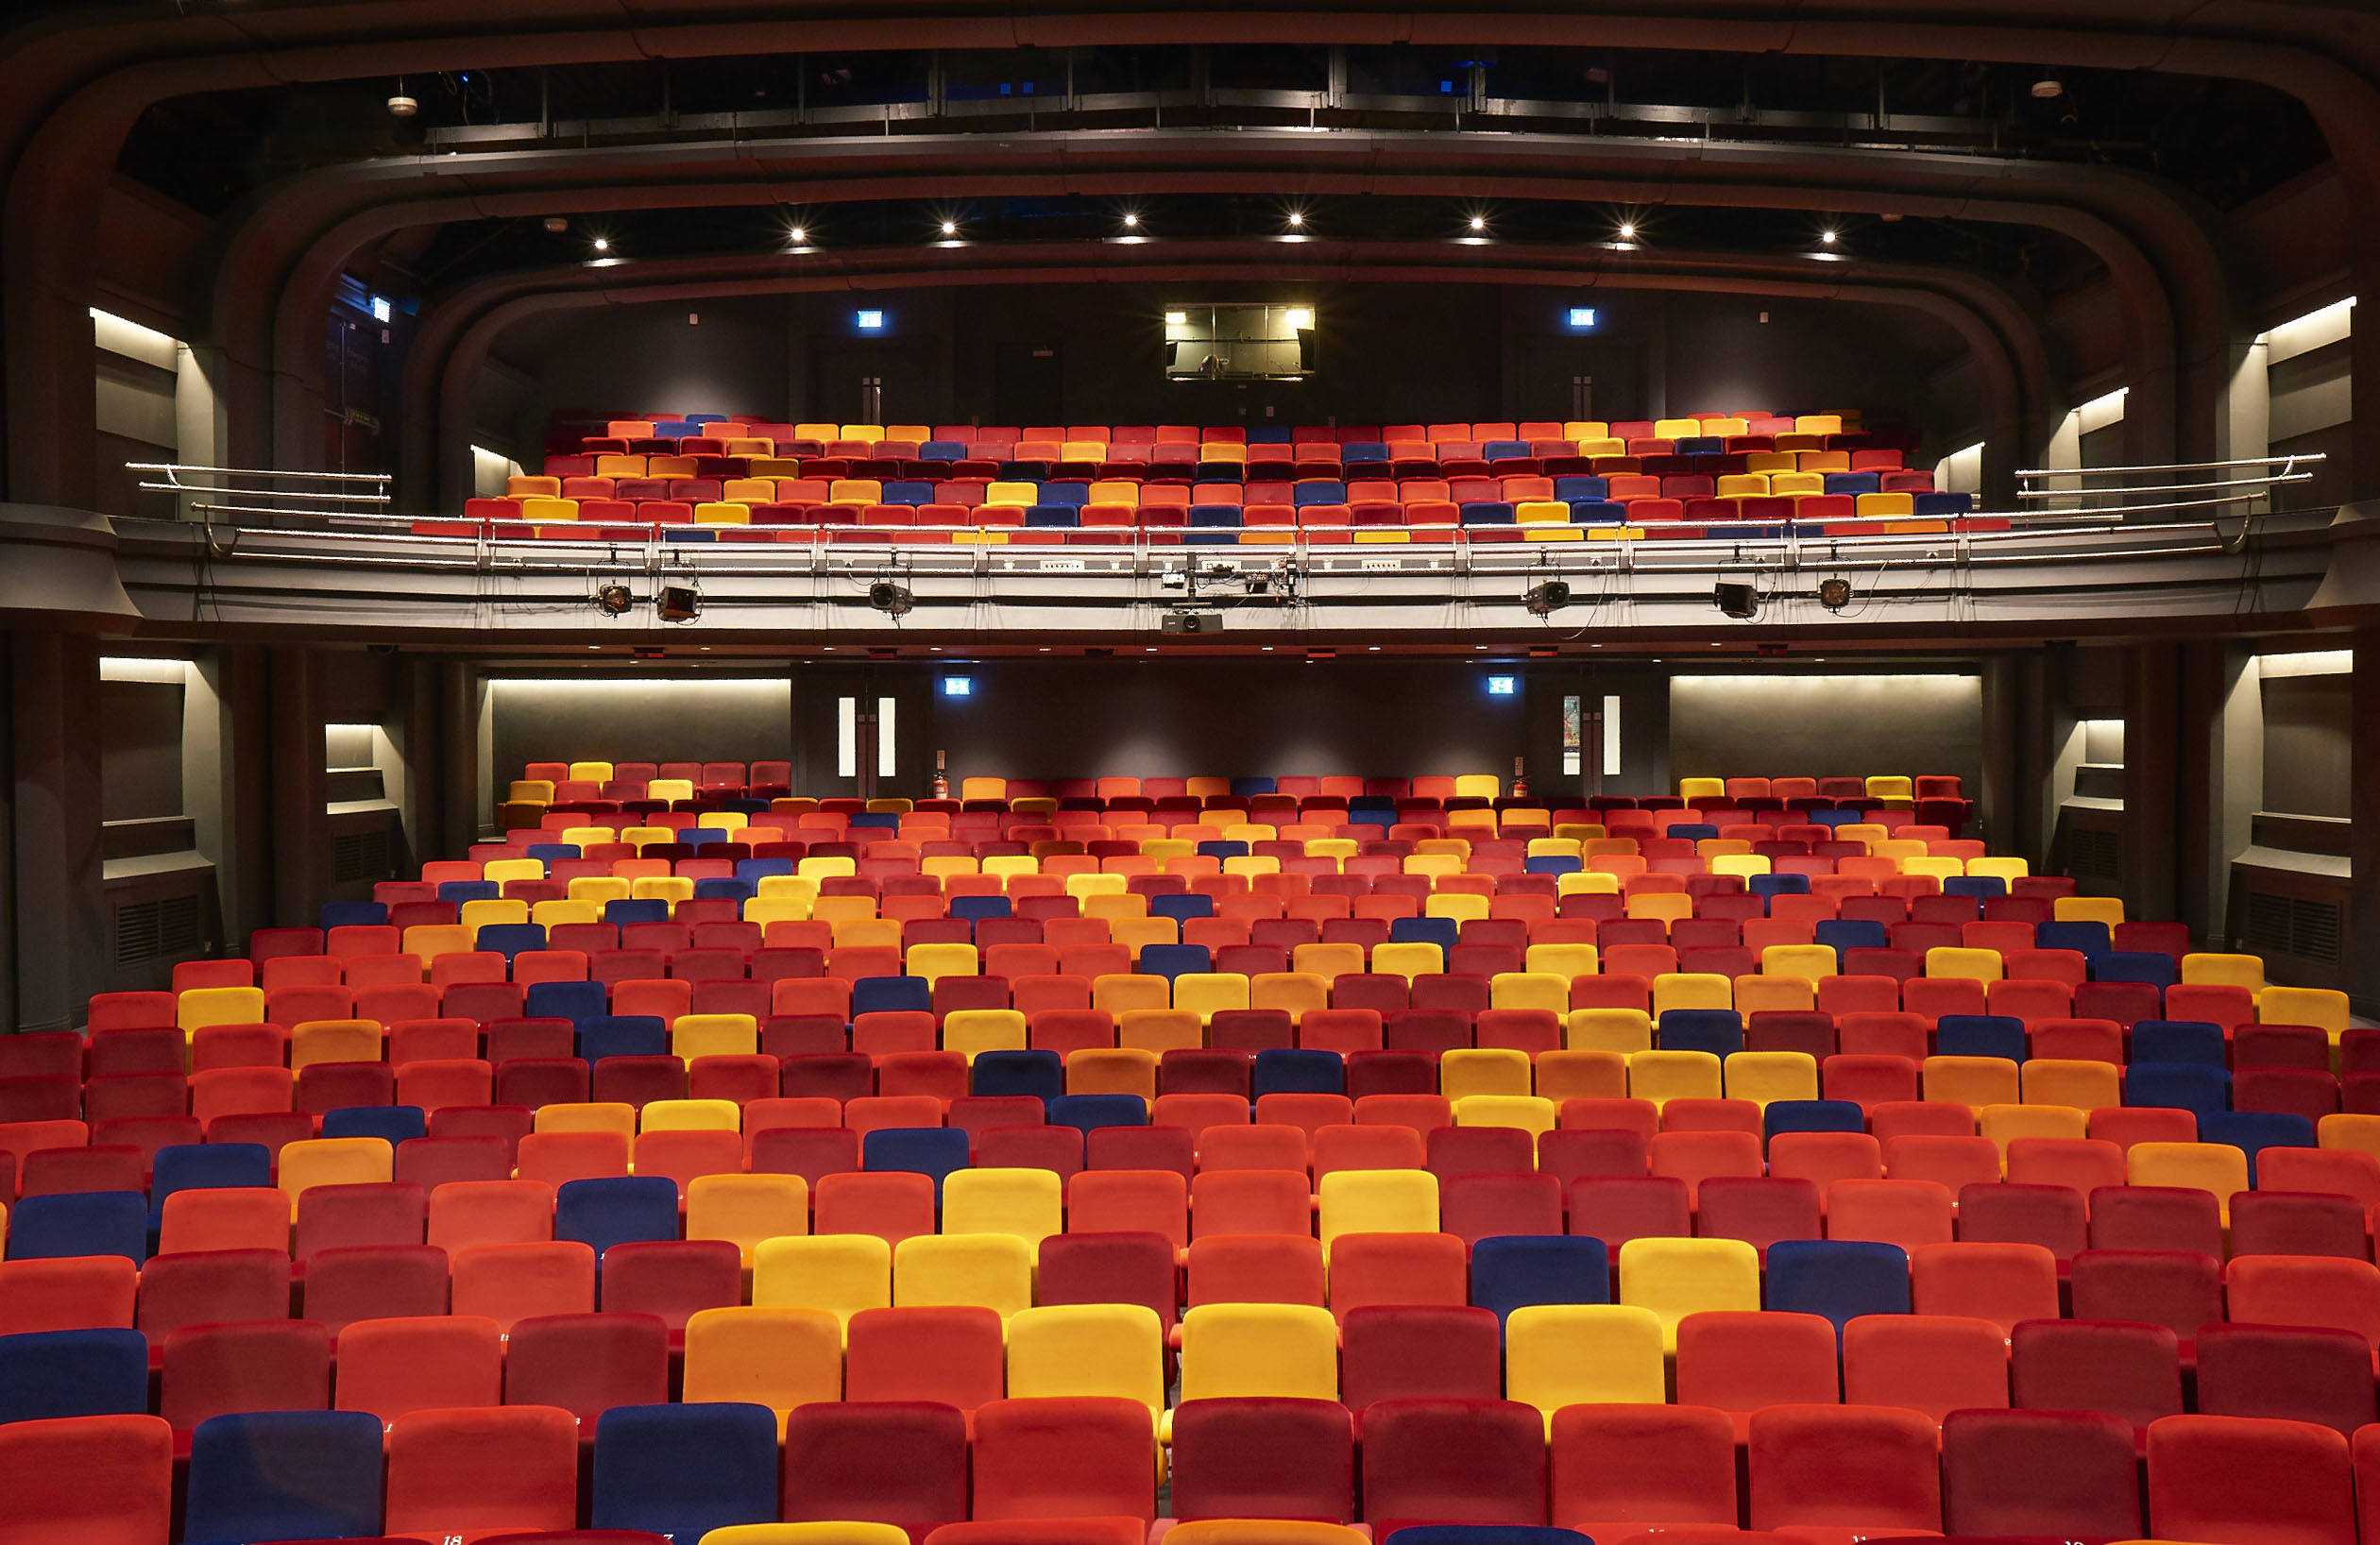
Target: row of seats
point(677, 427)
point(1083, 1471)
point(1839, 1328)
point(1818, 473)
point(2179, 1184)
point(1427, 786)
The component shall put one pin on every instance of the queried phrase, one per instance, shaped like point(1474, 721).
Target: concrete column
point(2221, 778)
point(300, 827)
point(61, 933)
point(2363, 840)
point(2153, 777)
point(458, 752)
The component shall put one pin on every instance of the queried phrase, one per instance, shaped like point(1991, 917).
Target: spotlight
point(613, 598)
point(1297, 218)
point(1132, 221)
point(799, 236)
point(1479, 222)
point(2048, 86)
point(1627, 230)
point(950, 227)
point(1834, 594)
point(1738, 601)
point(555, 225)
point(1546, 599)
point(602, 246)
point(1827, 237)
point(886, 597)
point(677, 603)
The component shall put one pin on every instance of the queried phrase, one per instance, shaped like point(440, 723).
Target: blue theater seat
point(1718, 1031)
point(908, 493)
point(1576, 486)
point(621, 1035)
point(2253, 1131)
point(1171, 961)
point(972, 908)
point(881, 994)
point(1851, 482)
point(205, 1166)
point(1486, 513)
point(1282, 1071)
point(1088, 1113)
point(1319, 492)
point(615, 1210)
point(74, 1373)
point(1060, 515)
point(1980, 1035)
point(2089, 940)
point(643, 909)
point(2179, 1041)
point(287, 1475)
point(577, 1002)
point(1181, 904)
point(933, 1152)
point(1598, 511)
point(1511, 1271)
point(391, 1124)
point(2182, 1086)
point(1445, 932)
point(509, 939)
point(82, 1223)
point(2153, 967)
point(1841, 1279)
point(678, 1471)
point(1811, 1116)
point(1038, 1074)
point(370, 914)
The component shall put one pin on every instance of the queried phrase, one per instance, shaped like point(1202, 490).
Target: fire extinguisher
point(941, 777)
point(1520, 779)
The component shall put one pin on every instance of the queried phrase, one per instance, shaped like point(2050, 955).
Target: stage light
point(600, 244)
point(677, 603)
point(1828, 237)
point(799, 236)
point(1834, 594)
point(1132, 221)
point(1627, 230)
point(886, 597)
point(1297, 219)
point(1546, 599)
point(1301, 317)
point(613, 598)
point(1479, 222)
point(1738, 601)
point(1177, 319)
point(950, 227)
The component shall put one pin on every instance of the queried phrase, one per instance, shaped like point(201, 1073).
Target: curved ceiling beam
point(456, 332)
point(344, 211)
point(77, 84)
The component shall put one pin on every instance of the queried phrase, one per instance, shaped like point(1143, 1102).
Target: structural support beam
point(2363, 899)
point(63, 929)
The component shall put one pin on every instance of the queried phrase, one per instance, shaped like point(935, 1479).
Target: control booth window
point(1240, 343)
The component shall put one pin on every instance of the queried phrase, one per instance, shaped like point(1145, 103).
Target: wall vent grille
point(360, 856)
point(156, 930)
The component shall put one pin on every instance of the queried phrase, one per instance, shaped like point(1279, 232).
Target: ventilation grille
point(2095, 855)
point(360, 856)
point(156, 930)
point(2278, 924)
